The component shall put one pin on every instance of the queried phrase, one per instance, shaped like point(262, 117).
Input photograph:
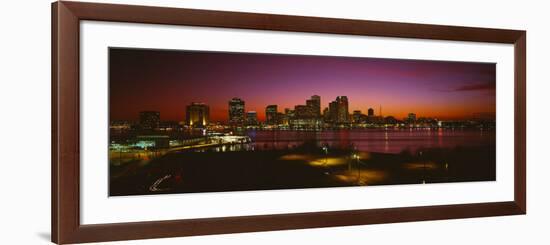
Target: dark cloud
point(472, 87)
point(488, 86)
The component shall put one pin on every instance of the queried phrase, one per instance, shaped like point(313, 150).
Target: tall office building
point(370, 112)
point(289, 113)
point(149, 120)
point(315, 105)
point(333, 111)
point(326, 114)
point(343, 112)
point(197, 114)
point(271, 114)
point(338, 110)
point(282, 118)
point(302, 111)
point(411, 118)
point(236, 111)
point(251, 118)
point(357, 116)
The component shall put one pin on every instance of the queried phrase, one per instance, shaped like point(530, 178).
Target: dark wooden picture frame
point(65, 175)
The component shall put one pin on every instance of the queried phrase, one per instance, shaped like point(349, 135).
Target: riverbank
point(193, 172)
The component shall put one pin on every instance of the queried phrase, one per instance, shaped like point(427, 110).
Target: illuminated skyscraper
point(326, 114)
point(333, 111)
point(308, 115)
point(282, 118)
point(343, 112)
point(236, 111)
point(289, 113)
point(315, 105)
point(251, 118)
point(197, 114)
point(304, 117)
point(338, 110)
point(302, 111)
point(271, 114)
point(149, 120)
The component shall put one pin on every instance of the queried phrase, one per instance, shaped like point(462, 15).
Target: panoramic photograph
point(202, 121)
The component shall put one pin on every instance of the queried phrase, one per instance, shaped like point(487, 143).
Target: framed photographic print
point(176, 122)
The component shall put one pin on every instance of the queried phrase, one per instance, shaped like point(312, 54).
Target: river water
point(371, 140)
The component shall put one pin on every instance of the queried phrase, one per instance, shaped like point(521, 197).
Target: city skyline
point(197, 114)
point(167, 81)
point(196, 122)
point(262, 114)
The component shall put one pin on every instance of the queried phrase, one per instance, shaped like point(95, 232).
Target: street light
point(447, 170)
point(358, 169)
point(325, 149)
point(423, 168)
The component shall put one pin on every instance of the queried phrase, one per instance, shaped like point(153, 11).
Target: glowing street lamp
point(356, 157)
point(325, 149)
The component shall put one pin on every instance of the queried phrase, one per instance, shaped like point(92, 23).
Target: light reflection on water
point(368, 140)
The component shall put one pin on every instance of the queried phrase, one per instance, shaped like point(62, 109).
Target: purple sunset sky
point(167, 81)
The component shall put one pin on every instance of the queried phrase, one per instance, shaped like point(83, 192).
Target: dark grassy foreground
point(191, 172)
